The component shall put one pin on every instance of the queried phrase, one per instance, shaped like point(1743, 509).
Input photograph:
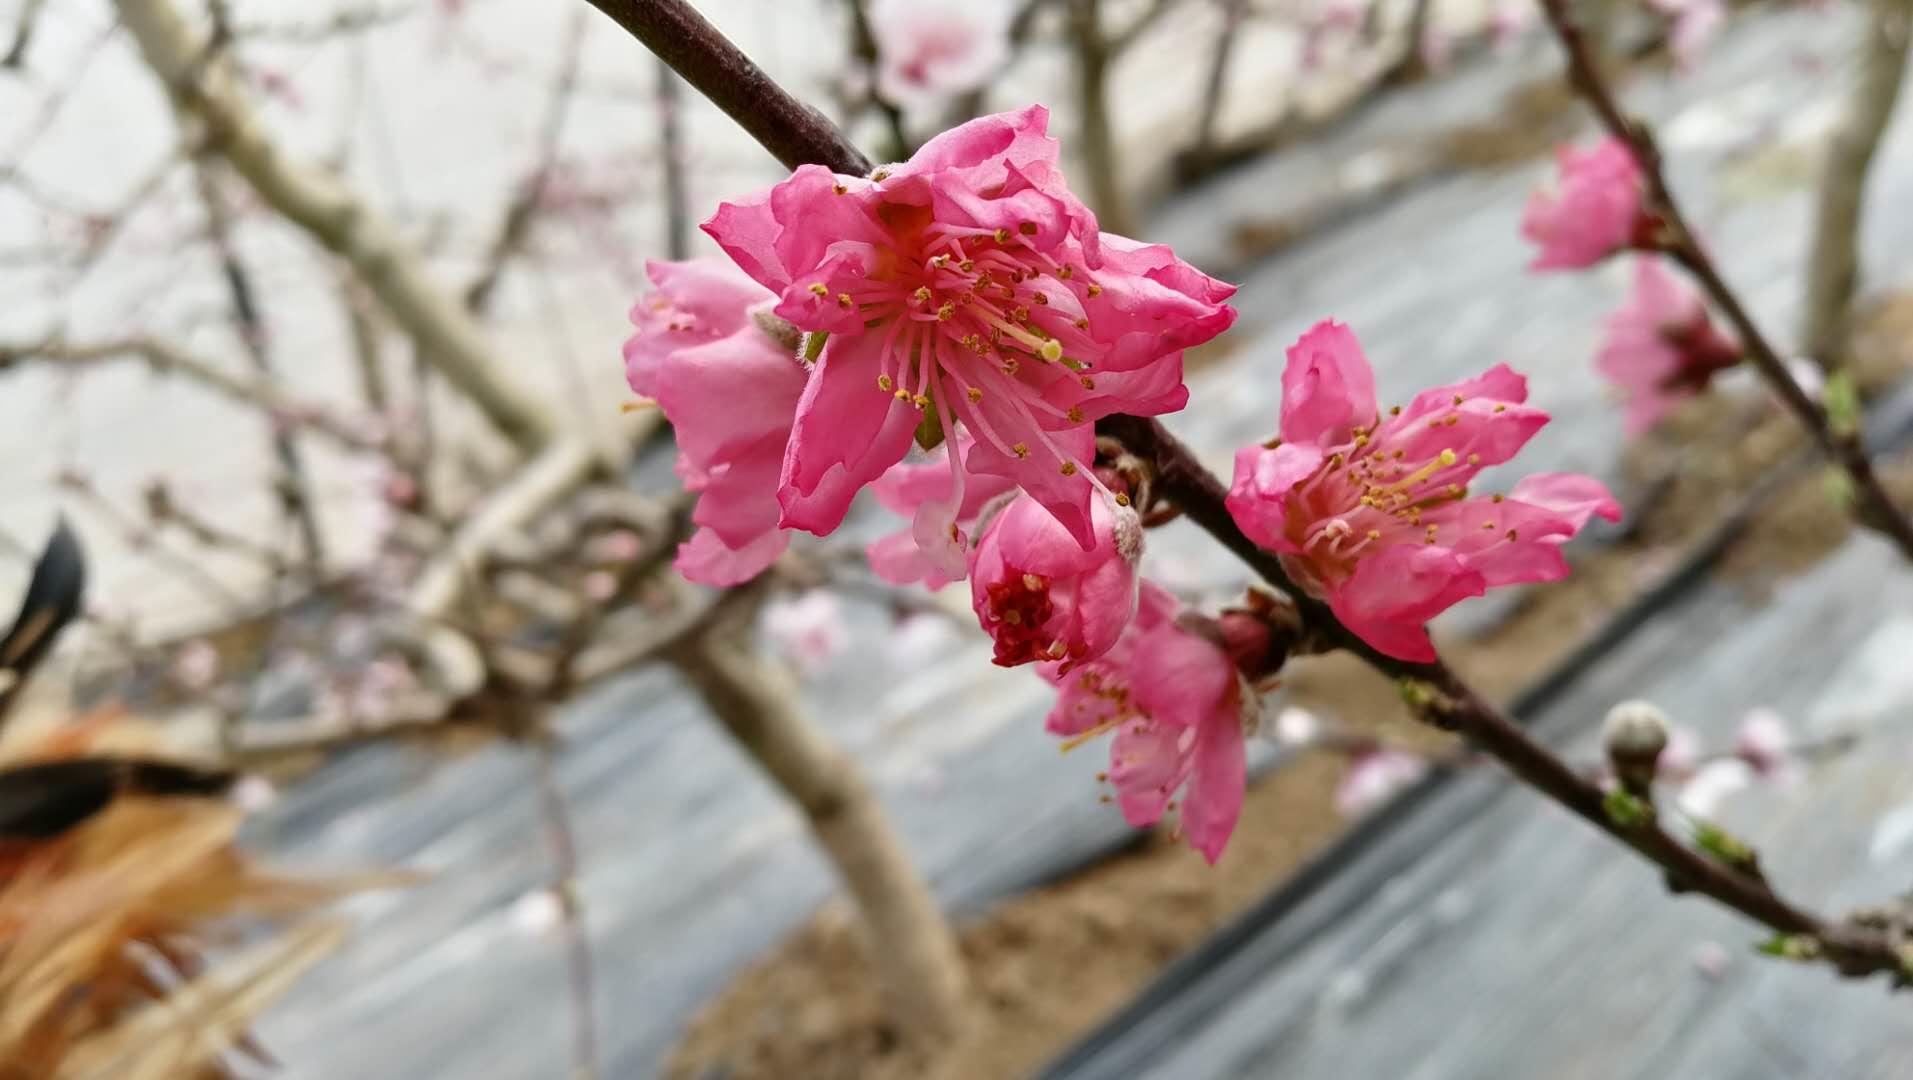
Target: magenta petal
point(1572, 495)
point(1393, 595)
point(845, 425)
point(1212, 803)
point(747, 232)
point(1328, 388)
point(1263, 479)
point(705, 559)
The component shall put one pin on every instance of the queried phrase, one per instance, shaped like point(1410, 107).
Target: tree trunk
point(910, 943)
point(1833, 270)
point(1098, 139)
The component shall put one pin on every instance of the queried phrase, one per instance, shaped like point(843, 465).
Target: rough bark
point(1833, 271)
point(911, 944)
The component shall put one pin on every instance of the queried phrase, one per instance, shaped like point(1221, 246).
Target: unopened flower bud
point(1635, 733)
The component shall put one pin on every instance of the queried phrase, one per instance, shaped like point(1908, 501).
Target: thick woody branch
point(206, 95)
point(911, 946)
point(1874, 508)
point(1833, 270)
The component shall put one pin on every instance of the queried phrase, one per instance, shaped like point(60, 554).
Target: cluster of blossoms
point(967, 304)
point(1662, 346)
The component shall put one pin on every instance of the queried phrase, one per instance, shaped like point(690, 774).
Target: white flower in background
point(1765, 744)
point(808, 629)
point(1295, 726)
point(917, 639)
point(1710, 786)
point(196, 666)
point(931, 50)
point(1375, 777)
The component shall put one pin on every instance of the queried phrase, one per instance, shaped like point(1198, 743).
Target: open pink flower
point(730, 393)
point(1372, 514)
point(1595, 212)
point(1041, 597)
point(966, 289)
point(928, 50)
point(926, 493)
point(1661, 346)
point(1179, 710)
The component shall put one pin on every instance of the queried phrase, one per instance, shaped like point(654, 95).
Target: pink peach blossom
point(1595, 212)
point(730, 393)
point(1041, 597)
point(928, 50)
point(1661, 346)
point(1179, 710)
point(1372, 514)
point(965, 290)
point(1374, 777)
point(925, 492)
point(809, 629)
point(1765, 744)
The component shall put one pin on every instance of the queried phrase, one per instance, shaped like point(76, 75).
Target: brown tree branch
point(1833, 269)
point(1437, 694)
point(1873, 508)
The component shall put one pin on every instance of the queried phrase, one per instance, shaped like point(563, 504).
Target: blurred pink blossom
point(196, 665)
point(809, 629)
point(931, 50)
point(1765, 744)
point(1696, 24)
point(1661, 346)
point(1374, 777)
point(1594, 211)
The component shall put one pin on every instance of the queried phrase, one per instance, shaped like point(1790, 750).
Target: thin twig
point(1874, 508)
point(564, 885)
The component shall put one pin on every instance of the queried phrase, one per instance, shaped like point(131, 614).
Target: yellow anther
point(885, 383)
point(1513, 534)
point(902, 394)
point(844, 301)
point(975, 395)
point(880, 175)
point(1474, 459)
point(1013, 617)
point(1122, 498)
point(1457, 399)
point(946, 312)
point(1374, 534)
point(1075, 414)
point(1021, 450)
point(1499, 498)
point(1501, 408)
point(1451, 419)
point(921, 401)
point(1034, 583)
point(840, 189)
point(1394, 410)
point(1095, 289)
point(967, 265)
point(1002, 236)
point(1069, 468)
point(1088, 383)
point(1040, 298)
point(922, 294)
point(1066, 273)
point(819, 288)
